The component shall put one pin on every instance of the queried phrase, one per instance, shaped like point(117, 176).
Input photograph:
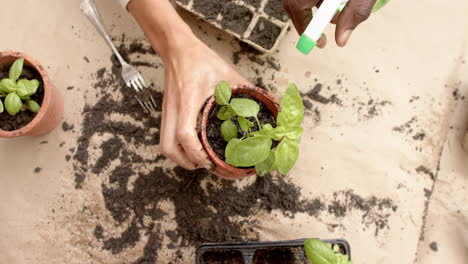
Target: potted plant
point(29, 103)
point(245, 130)
point(335, 251)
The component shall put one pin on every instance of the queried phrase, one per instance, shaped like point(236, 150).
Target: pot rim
point(211, 103)
point(31, 62)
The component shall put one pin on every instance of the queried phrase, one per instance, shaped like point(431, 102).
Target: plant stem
point(259, 125)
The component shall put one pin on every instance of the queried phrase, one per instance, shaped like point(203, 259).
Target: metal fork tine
point(135, 85)
point(154, 102)
point(142, 105)
point(142, 80)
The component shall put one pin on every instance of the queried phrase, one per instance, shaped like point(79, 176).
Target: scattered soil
point(135, 186)
point(67, 127)
point(213, 128)
point(222, 257)
point(275, 9)
point(24, 117)
point(434, 246)
point(277, 256)
point(265, 33)
point(236, 18)
point(425, 170)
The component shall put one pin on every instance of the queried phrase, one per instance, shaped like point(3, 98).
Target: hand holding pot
point(192, 71)
point(356, 12)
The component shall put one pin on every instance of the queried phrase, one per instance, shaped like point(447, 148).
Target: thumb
point(300, 12)
point(355, 12)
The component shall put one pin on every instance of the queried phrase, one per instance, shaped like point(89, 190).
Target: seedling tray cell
point(252, 252)
point(260, 23)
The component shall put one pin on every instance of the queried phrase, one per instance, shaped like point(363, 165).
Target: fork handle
point(89, 9)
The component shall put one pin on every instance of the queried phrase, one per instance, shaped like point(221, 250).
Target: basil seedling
point(319, 252)
point(254, 148)
point(16, 91)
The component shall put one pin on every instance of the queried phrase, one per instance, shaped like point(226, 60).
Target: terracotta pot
point(51, 109)
point(223, 169)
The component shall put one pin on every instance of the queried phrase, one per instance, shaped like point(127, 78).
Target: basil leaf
point(295, 132)
point(319, 252)
point(33, 106)
point(249, 152)
point(265, 166)
point(16, 69)
point(245, 107)
point(342, 259)
point(292, 108)
point(225, 113)
point(8, 86)
point(1, 107)
point(228, 130)
point(13, 104)
point(267, 130)
point(286, 155)
point(229, 148)
point(279, 133)
point(27, 88)
point(223, 93)
point(244, 124)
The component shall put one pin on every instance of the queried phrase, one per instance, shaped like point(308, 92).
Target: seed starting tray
point(260, 23)
point(249, 248)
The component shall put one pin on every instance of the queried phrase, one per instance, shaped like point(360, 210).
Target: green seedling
point(254, 148)
point(17, 92)
point(319, 252)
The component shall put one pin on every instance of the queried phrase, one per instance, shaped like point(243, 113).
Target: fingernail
point(345, 37)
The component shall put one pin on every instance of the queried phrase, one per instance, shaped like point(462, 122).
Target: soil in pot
point(222, 257)
point(278, 256)
point(11, 123)
point(265, 33)
point(213, 132)
point(236, 18)
point(275, 9)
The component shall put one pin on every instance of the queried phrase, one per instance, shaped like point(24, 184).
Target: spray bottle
point(321, 19)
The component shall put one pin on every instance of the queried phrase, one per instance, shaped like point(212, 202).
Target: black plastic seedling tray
point(252, 252)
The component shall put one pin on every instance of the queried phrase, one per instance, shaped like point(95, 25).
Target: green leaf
point(225, 113)
point(223, 93)
point(266, 166)
point(244, 124)
point(16, 69)
point(1, 107)
point(292, 109)
point(294, 132)
point(245, 107)
point(230, 146)
point(249, 152)
point(286, 155)
point(13, 104)
point(27, 88)
point(228, 130)
point(267, 130)
point(279, 133)
point(33, 106)
point(8, 86)
point(319, 252)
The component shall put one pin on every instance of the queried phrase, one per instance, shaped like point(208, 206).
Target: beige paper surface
point(403, 52)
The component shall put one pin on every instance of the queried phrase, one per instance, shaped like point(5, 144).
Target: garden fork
point(131, 76)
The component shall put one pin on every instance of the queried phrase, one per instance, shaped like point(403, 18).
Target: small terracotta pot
point(223, 169)
point(51, 110)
